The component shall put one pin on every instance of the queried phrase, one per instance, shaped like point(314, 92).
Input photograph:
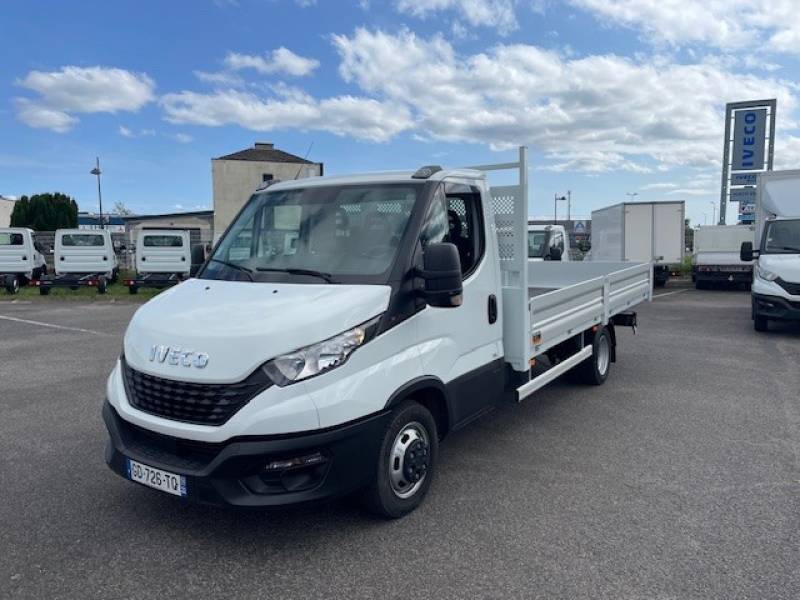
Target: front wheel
point(405, 464)
point(760, 323)
point(594, 370)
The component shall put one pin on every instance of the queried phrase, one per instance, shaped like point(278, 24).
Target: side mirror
point(555, 253)
point(746, 252)
point(442, 275)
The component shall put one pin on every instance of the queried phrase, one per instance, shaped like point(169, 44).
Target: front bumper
point(722, 276)
point(232, 473)
point(775, 307)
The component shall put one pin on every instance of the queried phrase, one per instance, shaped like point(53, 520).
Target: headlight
point(765, 274)
point(319, 358)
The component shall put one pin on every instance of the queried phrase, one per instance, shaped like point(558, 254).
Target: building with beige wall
point(6, 207)
point(198, 223)
point(236, 176)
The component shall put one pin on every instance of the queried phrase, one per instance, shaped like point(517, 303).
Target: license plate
point(156, 478)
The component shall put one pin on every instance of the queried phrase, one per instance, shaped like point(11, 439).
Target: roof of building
point(7, 199)
point(195, 213)
point(265, 152)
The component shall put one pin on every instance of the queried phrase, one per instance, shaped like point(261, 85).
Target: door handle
point(492, 309)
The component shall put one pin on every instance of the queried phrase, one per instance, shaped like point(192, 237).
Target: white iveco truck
point(776, 280)
point(21, 258)
point(341, 328)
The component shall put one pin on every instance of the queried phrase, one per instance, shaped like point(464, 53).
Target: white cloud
point(129, 133)
point(592, 113)
point(732, 24)
point(498, 14)
point(42, 117)
point(281, 60)
point(658, 186)
point(183, 138)
point(81, 90)
point(362, 118)
point(222, 78)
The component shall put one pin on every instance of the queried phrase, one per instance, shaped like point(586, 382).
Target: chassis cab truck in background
point(21, 258)
point(776, 276)
point(341, 328)
point(163, 259)
point(82, 258)
point(651, 232)
point(548, 242)
point(716, 255)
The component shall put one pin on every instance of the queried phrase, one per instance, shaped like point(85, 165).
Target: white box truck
point(21, 258)
point(716, 256)
point(652, 232)
point(341, 328)
point(82, 257)
point(163, 259)
point(776, 249)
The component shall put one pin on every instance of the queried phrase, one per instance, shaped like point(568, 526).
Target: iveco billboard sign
point(749, 136)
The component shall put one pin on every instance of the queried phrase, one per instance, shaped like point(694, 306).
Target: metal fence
point(124, 247)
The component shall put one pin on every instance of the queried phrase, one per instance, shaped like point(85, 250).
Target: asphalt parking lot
point(679, 478)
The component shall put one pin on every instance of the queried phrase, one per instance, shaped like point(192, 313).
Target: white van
point(81, 251)
point(21, 258)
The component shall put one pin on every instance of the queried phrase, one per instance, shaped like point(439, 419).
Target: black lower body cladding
point(234, 473)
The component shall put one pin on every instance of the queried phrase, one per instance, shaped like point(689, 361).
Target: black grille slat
point(201, 403)
point(792, 288)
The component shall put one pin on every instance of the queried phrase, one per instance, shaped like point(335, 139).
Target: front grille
point(792, 288)
point(200, 403)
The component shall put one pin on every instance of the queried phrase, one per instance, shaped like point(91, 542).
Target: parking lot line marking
point(669, 293)
point(53, 326)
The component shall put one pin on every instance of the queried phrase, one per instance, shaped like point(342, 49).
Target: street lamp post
point(631, 195)
point(569, 205)
point(96, 171)
point(556, 199)
point(714, 208)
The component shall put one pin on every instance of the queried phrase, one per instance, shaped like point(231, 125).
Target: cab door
point(462, 345)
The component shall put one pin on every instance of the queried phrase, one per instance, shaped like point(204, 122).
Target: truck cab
point(341, 328)
point(21, 258)
point(716, 258)
point(776, 252)
point(548, 242)
point(82, 251)
point(163, 251)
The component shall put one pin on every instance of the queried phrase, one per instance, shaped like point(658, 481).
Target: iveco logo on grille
point(178, 356)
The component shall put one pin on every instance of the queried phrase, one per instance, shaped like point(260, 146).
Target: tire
point(102, 285)
point(595, 369)
point(11, 283)
point(760, 323)
point(114, 275)
point(44, 291)
point(400, 486)
point(700, 285)
point(133, 289)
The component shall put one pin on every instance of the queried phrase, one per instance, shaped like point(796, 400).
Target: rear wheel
point(102, 285)
point(594, 370)
point(11, 283)
point(405, 463)
point(44, 290)
point(133, 289)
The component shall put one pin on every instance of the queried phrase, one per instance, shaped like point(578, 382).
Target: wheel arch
point(432, 393)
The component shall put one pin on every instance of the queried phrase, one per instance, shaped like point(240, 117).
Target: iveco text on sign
point(749, 134)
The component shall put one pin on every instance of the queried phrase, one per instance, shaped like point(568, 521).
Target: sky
point(613, 97)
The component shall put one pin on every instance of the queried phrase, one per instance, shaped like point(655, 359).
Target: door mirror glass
point(746, 252)
point(442, 275)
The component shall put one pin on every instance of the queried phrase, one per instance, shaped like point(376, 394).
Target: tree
point(120, 209)
point(45, 212)
point(689, 235)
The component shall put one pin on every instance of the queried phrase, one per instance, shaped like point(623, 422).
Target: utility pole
point(714, 208)
point(96, 171)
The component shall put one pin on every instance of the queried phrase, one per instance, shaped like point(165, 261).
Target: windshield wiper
point(249, 272)
point(326, 276)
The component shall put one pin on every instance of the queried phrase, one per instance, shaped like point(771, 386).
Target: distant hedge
point(45, 212)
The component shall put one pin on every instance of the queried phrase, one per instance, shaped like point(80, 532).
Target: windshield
point(163, 241)
point(82, 239)
point(536, 244)
point(782, 237)
point(317, 234)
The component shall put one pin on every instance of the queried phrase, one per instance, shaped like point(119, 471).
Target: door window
point(465, 223)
